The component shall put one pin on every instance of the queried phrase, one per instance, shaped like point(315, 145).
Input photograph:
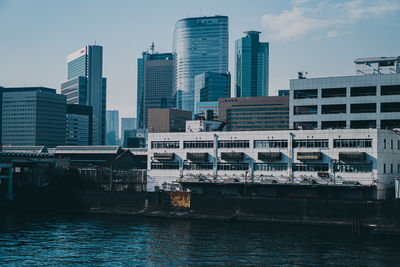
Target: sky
point(320, 37)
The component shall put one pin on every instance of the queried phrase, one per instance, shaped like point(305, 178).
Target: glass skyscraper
point(199, 45)
point(252, 66)
point(112, 121)
point(154, 84)
point(86, 86)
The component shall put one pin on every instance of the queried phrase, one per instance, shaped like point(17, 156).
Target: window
point(270, 143)
point(390, 90)
point(363, 108)
point(198, 144)
point(353, 167)
point(233, 144)
point(305, 125)
point(270, 166)
point(384, 168)
point(310, 167)
point(391, 144)
point(391, 168)
point(164, 165)
point(304, 94)
point(305, 110)
point(363, 91)
point(390, 107)
point(333, 109)
point(352, 143)
point(333, 124)
point(333, 92)
point(198, 166)
point(310, 143)
point(363, 124)
point(165, 144)
point(384, 143)
point(233, 166)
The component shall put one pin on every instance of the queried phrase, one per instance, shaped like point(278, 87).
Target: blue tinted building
point(86, 86)
point(252, 66)
point(209, 87)
point(199, 45)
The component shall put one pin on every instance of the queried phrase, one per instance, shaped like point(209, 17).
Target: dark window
point(305, 125)
point(384, 168)
point(390, 107)
point(362, 124)
point(310, 143)
point(333, 124)
point(390, 90)
point(354, 143)
point(333, 92)
point(303, 94)
point(390, 124)
point(310, 167)
point(363, 108)
point(333, 109)
point(363, 91)
point(305, 110)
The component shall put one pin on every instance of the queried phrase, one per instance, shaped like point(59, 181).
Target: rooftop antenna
point(152, 47)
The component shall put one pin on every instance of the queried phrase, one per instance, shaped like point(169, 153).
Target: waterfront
point(126, 240)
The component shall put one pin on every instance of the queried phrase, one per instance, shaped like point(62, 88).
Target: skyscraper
point(126, 125)
point(252, 65)
point(199, 45)
point(154, 84)
point(112, 122)
point(86, 86)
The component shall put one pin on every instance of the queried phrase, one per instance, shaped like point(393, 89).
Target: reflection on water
point(124, 240)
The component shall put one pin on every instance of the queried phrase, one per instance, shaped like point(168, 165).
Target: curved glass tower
point(199, 45)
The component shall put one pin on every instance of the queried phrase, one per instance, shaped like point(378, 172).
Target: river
point(109, 240)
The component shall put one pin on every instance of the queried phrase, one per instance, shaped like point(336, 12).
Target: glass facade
point(252, 66)
point(199, 45)
point(77, 67)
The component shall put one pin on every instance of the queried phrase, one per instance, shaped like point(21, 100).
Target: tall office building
point(154, 84)
point(112, 122)
point(199, 45)
point(252, 65)
point(32, 116)
point(126, 125)
point(86, 86)
point(208, 88)
point(79, 125)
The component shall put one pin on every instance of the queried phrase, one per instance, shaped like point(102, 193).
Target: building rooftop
point(376, 60)
point(25, 89)
point(25, 149)
point(87, 149)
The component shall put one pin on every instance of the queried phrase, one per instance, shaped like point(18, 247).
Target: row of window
point(300, 143)
point(341, 108)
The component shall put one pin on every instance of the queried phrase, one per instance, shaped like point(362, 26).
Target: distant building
point(127, 124)
point(86, 86)
point(252, 66)
point(136, 138)
point(377, 65)
point(203, 126)
point(168, 120)
point(203, 107)
point(254, 113)
point(209, 87)
point(283, 92)
point(32, 116)
point(154, 84)
point(361, 101)
point(79, 125)
point(112, 122)
point(200, 44)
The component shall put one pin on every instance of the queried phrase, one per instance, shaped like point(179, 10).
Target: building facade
point(127, 124)
point(200, 44)
point(154, 84)
point(79, 125)
point(33, 116)
point(368, 157)
point(252, 66)
point(209, 87)
point(86, 86)
point(362, 101)
point(168, 120)
point(254, 113)
point(112, 127)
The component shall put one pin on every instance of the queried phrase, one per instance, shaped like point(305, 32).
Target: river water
point(109, 240)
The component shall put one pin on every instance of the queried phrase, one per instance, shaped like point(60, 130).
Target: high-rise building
point(252, 65)
point(168, 120)
point(112, 122)
point(154, 84)
point(126, 125)
point(209, 87)
point(79, 125)
point(32, 116)
point(199, 45)
point(86, 86)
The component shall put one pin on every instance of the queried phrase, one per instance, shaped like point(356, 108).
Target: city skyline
point(302, 35)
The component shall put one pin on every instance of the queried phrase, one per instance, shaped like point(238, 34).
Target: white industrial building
point(365, 157)
point(352, 102)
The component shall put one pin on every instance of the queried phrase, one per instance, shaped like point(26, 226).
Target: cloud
point(300, 21)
